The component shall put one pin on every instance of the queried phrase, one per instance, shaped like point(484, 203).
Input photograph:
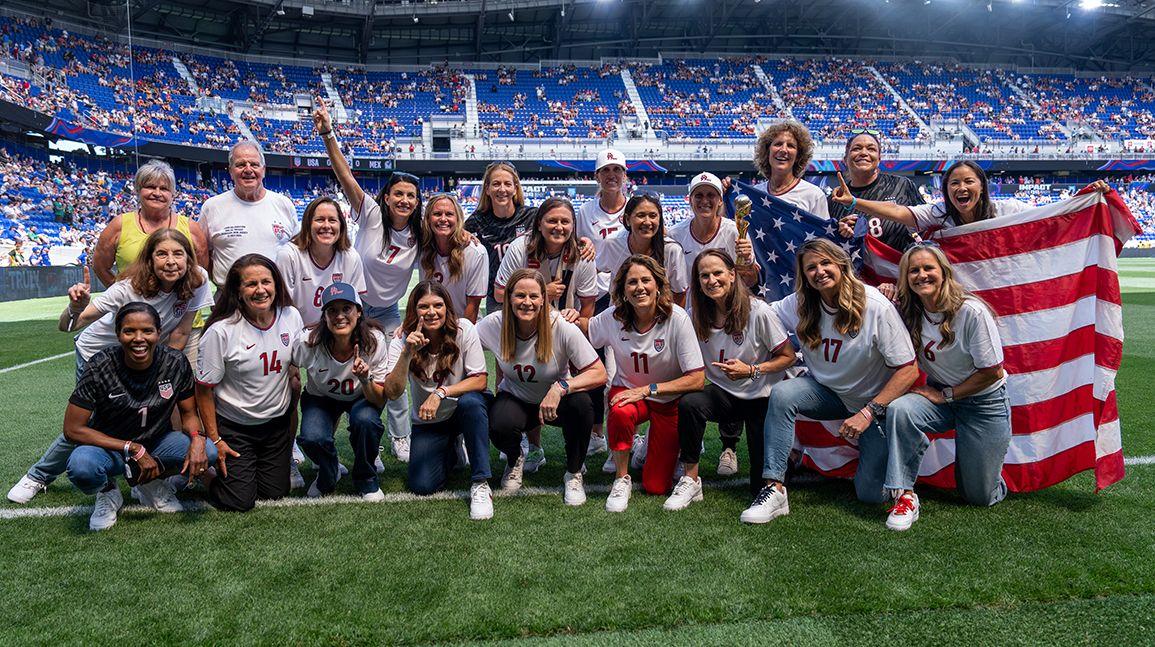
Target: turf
point(1064, 565)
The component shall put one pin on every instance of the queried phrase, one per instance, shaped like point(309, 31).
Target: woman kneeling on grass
point(959, 347)
point(860, 359)
point(344, 358)
point(120, 414)
point(441, 357)
point(658, 360)
point(537, 349)
point(747, 351)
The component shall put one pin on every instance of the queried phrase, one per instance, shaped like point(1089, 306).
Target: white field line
point(35, 362)
point(1139, 460)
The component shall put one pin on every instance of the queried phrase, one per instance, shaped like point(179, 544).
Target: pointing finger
point(87, 277)
point(356, 350)
point(842, 181)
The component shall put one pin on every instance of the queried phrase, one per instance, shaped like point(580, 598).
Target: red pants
point(662, 455)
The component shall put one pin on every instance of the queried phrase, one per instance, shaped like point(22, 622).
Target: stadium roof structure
point(1093, 35)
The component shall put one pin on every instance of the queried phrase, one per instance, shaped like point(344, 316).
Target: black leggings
point(262, 469)
point(713, 403)
point(510, 417)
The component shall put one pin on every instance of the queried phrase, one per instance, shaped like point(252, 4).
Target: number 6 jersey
point(667, 351)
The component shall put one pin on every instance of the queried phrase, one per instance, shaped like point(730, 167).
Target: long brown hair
point(484, 204)
point(449, 350)
point(362, 334)
point(623, 311)
point(851, 295)
point(984, 210)
point(142, 273)
point(230, 293)
point(951, 296)
point(304, 238)
point(459, 240)
point(535, 240)
point(736, 306)
point(543, 345)
point(658, 242)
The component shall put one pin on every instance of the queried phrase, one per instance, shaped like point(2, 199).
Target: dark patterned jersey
point(129, 404)
point(886, 188)
point(496, 234)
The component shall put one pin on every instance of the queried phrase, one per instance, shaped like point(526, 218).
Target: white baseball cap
point(610, 156)
point(706, 178)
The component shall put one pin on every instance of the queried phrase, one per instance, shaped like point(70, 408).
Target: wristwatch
point(948, 393)
point(439, 392)
point(877, 410)
point(653, 389)
point(564, 386)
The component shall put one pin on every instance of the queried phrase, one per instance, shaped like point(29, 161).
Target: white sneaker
point(26, 488)
point(534, 459)
point(727, 463)
point(105, 509)
point(638, 451)
point(400, 449)
point(904, 513)
point(378, 464)
point(575, 491)
point(609, 467)
point(598, 444)
point(686, 491)
point(298, 455)
point(480, 501)
point(771, 502)
point(158, 495)
point(501, 456)
point(619, 498)
point(462, 455)
point(511, 480)
point(296, 481)
point(376, 496)
point(314, 492)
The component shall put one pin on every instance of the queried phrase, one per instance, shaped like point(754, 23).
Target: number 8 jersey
point(249, 366)
point(667, 351)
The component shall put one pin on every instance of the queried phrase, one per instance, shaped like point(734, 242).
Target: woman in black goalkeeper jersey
point(119, 416)
point(862, 156)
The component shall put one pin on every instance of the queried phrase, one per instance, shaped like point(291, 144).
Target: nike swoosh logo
point(322, 370)
point(117, 395)
point(625, 338)
point(249, 346)
point(305, 278)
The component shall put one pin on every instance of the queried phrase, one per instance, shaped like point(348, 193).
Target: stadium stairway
point(898, 97)
point(636, 99)
point(1026, 96)
point(472, 121)
point(334, 97)
point(769, 85)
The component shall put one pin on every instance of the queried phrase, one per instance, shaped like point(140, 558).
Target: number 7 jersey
point(667, 351)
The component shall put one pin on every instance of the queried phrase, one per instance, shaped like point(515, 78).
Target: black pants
point(598, 395)
point(713, 403)
point(510, 417)
point(730, 433)
point(262, 469)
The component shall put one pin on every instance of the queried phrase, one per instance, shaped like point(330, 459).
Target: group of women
point(588, 321)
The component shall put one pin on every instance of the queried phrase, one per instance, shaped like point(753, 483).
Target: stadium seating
point(555, 102)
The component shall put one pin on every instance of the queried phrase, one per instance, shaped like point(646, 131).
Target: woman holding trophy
point(709, 230)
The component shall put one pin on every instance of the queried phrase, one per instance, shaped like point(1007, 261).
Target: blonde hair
point(801, 136)
point(851, 295)
point(484, 204)
point(543, 345)
point(951, 296)
point(460, 239)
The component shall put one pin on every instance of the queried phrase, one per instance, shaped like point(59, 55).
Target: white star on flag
point(791, 247)
point(759, 234)
point(766, 202)
point(785, 279)
point(829, 229)
point(778, 223)
point(772, 256)
point(797, 216)
point(809, 237)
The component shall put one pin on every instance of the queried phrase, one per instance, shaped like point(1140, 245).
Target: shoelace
point(904, 505)
point(480, 494)
point(620, 488)
point(682, 487)
point(764, 495)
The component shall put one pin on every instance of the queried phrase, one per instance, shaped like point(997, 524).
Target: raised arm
point(324, 125)
point(888, 210)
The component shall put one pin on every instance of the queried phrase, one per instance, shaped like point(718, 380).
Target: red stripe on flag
point(1053, 293)
point(1059, 229)
point(1108, 412)
point(882, 250)
point(1042, 355)
point(942, 479)
point(1109, 470)
point(1025, 477)
point(1029, 418)
point(813, 434)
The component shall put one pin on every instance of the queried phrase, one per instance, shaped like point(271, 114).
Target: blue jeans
point(432, 452)
point(397, 410)
point(982, 425)
point(54, 462)
point(319, 416)
point(805, 396)
point(92, 468)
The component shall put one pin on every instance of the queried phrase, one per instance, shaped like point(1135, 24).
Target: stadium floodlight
point(511, 15)
point(1090, 4)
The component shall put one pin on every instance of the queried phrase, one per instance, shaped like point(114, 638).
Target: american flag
point(1050, 275)
point(777, 230)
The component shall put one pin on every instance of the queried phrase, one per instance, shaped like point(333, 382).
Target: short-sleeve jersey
point(305, 280)
point(237, 227)
point(932, 216)
point(756, 343)
point(329, 377)
point(595, 223)
point(524, 376)
point(855, 367)
point(172, 309)
point(616, 250)
point(474, 279)
point(885, 188)
point(496, 234)
point(470, 362)
point(129, 404)
point(248, 366)
point(976, 345)
point(667, 351)
point(804, 195)
point(387, 263)
point(725, 239)
point(581, 275)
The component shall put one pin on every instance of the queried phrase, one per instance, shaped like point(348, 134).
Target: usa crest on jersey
point(165, 389)
point(738, 338)
point(285, 339)
point(659, 344)
point(179, 308)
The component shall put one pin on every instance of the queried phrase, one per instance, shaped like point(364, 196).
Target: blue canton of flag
point(777, 230)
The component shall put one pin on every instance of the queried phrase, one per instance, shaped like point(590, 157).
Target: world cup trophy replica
point(742, 208)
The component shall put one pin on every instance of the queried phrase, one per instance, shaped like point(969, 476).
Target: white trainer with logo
point(686, 491)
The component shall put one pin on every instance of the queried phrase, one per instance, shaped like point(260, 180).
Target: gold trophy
point(742, 207)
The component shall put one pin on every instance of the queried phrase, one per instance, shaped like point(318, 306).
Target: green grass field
point(1062, 566)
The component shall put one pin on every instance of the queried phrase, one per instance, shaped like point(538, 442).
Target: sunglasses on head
point(866, 131)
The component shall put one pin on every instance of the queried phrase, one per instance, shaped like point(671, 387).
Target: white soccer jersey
point(524, 376)
point(584, 279)
point(856, 368)
point(388, 265)
point(102, 332)
point(474, 279)
point(803, 195)
point(725, 239)
point(595, 223)
point(237, 227)
point(667, 351)
point(305, 280)
point(756, 343)
point(329, 377)
point(249, 366)
point(933, 215)
point(470, 362)
point(616, 251)
point(976, 345)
